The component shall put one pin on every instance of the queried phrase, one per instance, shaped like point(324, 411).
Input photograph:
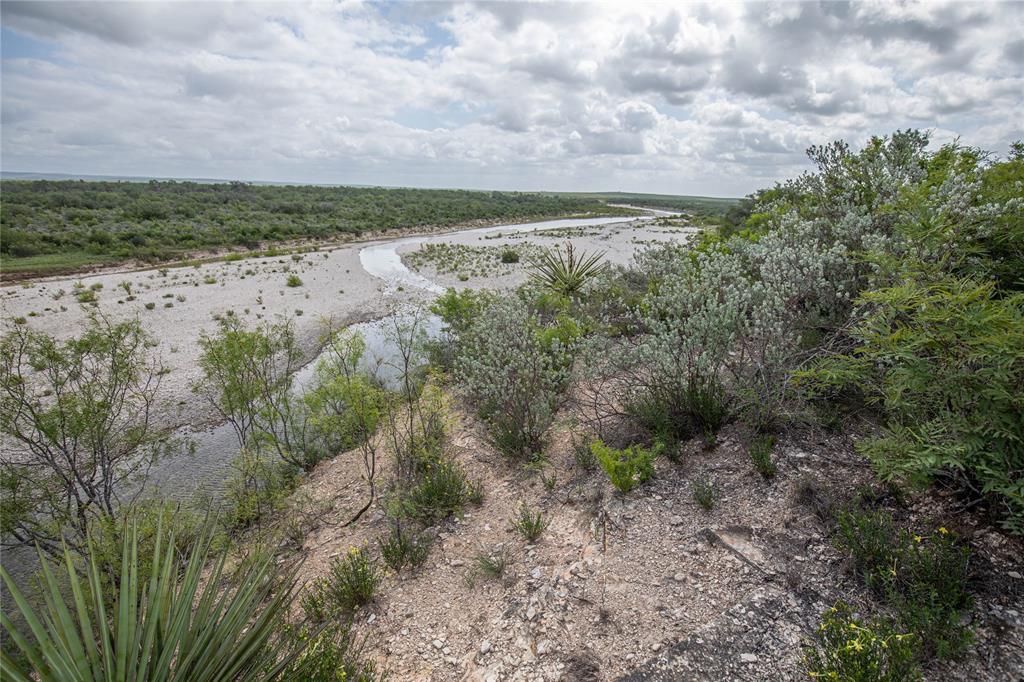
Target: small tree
point(346, 406)
point(76, 417)
point(247, 379)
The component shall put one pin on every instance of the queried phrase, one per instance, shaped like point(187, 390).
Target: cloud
point(705, 98)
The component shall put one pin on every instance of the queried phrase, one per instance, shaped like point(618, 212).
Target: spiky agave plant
point(566, 273)
point(176, 625)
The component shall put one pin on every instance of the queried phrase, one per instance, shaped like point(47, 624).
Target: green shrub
point(150, 305)
point(849, 650)
point(515, 372)
point(530, 525)
point(399, 549)
point(760, 451)
point(509, 256)
point(293, 281)
point(493, 563)
point(705, 493)
point(177, 623)
point(257, 488)
point(945, 364)
point(923, 579)
point(351, 583)
point(442, 489)
point(329, 655)
point(627, 468)
point(87, 296)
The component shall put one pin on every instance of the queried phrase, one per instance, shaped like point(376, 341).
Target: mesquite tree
point(77, 422)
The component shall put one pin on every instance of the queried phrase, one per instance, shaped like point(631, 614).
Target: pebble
point(485, 646)
point(438, 644)
point(748, 658)
point(679, 577)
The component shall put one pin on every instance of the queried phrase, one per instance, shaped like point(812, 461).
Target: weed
point(627, 468)
point(850, 650)
point(494, 563)
point(922, 578)
point(293, 281)
point(352, 583)
point(583, 456)
point(441, 491)
point(86, 296)
point(705, 493)
point(530, 525)
point(399, 549)
point(150, 305)
point(760, 451)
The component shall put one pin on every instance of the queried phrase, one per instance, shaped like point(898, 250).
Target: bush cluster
point(923, 579)
point(627, 468)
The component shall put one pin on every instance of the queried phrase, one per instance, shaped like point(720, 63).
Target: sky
point(716, 99)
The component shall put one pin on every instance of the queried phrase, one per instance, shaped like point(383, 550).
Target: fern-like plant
point(174, 625)
point(566, 273)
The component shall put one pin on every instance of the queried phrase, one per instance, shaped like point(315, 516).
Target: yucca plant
point(175, 625)
point(566, 273)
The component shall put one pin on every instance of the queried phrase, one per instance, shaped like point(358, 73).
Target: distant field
point(53, 226)
point(705, 206)
point(53, 263)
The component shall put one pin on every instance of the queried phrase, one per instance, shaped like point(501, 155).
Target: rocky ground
point(645, 586)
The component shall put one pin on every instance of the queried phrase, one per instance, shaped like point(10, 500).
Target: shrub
point(509, 256)
point(493, 564)
point(852, 651)
point(515, 372)
point(257, 488)
point(441, 490)
point(627, 468)
point(329, 655)
point(351, 583)
point(293, 281)
point(530, 525)
point(177, 623)
point(760, 451)
point(705, 493)
point(399, 549)
point(945, 364)
point(922, 578)
point(150, 305)
point(80, 411)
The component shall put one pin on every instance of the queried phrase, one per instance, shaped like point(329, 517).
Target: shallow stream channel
point(204, 472)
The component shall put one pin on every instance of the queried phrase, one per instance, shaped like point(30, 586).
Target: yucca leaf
point(172, 626)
